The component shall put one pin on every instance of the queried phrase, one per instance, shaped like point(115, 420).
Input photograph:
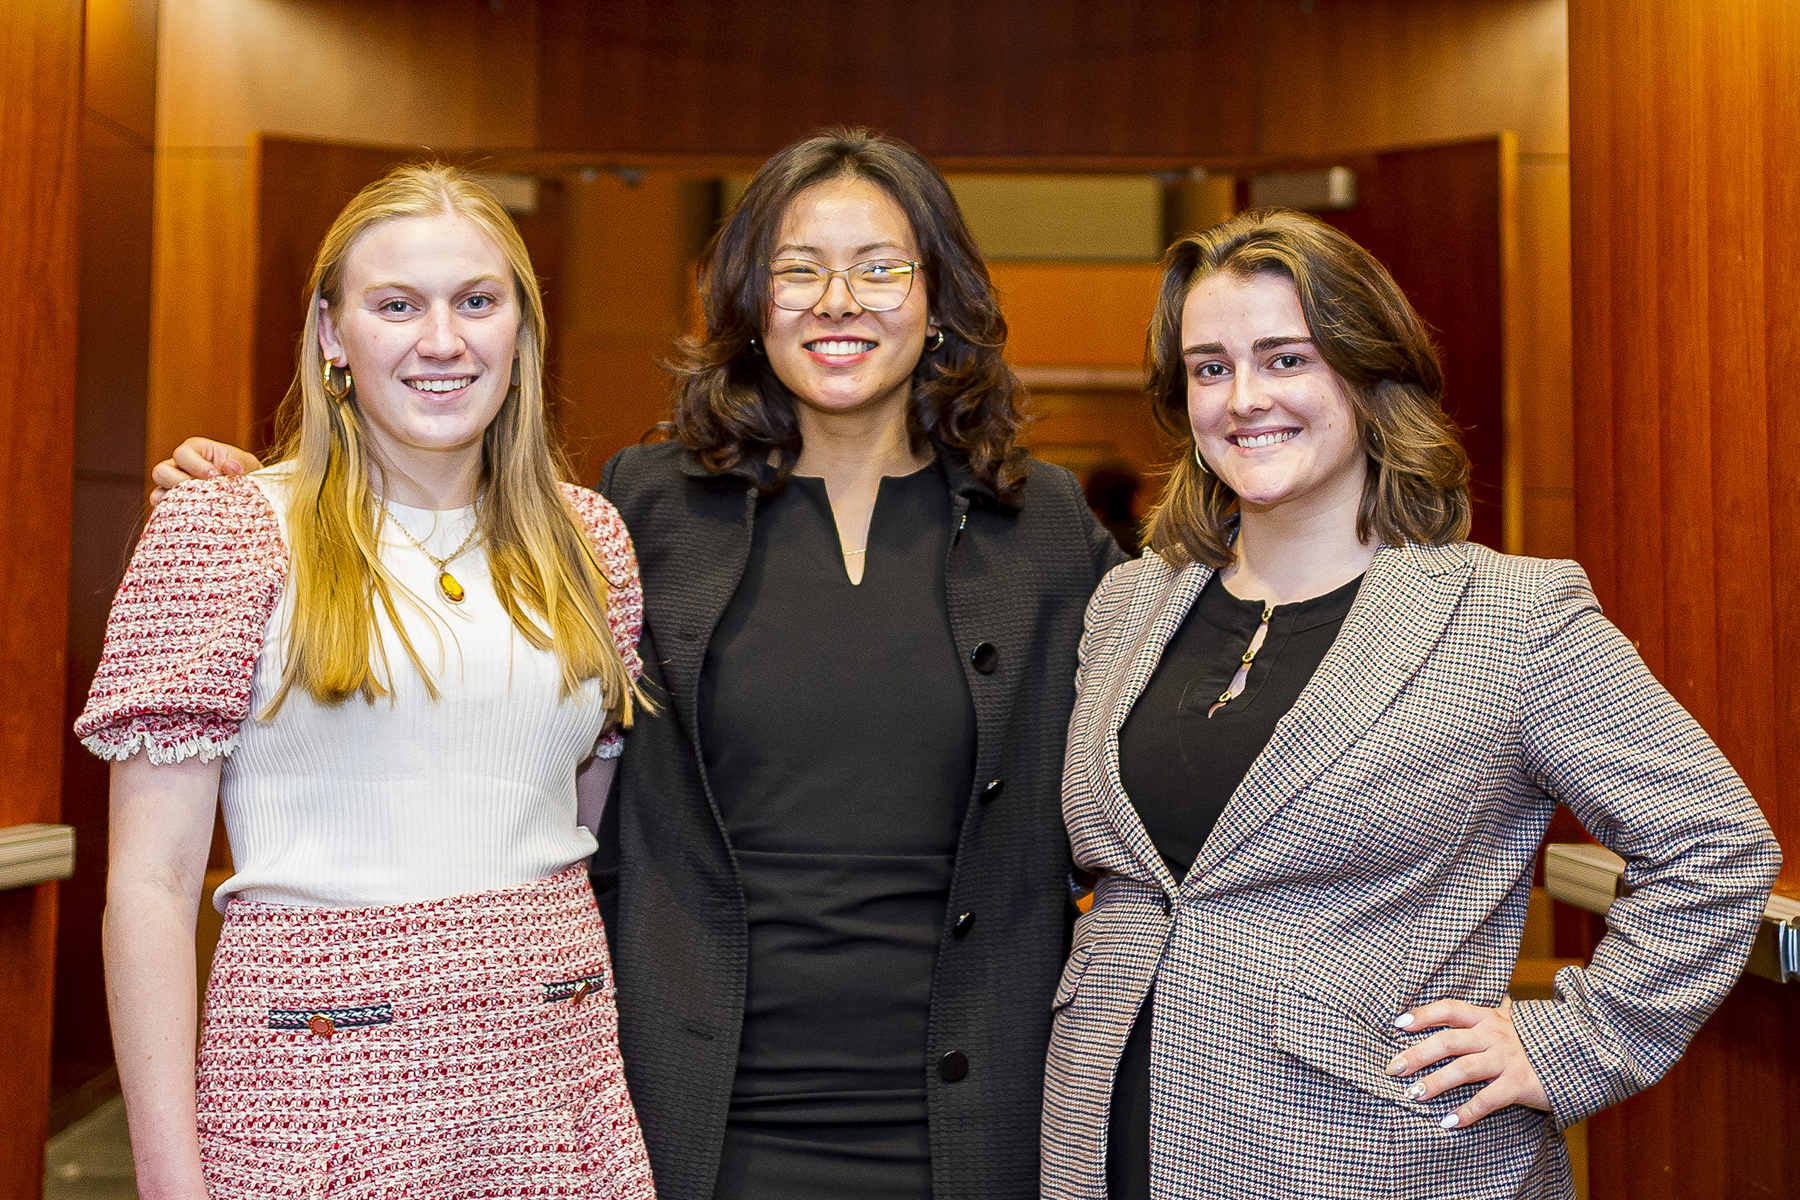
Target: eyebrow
point(1259, 346)
point(784, 249)
point(465, 285)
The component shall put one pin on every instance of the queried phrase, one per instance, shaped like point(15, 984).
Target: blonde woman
point(400, 657)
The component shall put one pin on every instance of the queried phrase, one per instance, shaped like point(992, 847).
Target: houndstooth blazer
point(1376, 857)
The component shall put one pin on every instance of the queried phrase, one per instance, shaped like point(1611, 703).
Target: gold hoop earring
point(935, 342)
point(1201, 462)
point(338, 394)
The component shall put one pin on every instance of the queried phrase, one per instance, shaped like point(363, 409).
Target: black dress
point(1180, 768)
point(839, 736)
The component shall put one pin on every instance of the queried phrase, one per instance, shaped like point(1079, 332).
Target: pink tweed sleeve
point(606, 532)
point(187, 626)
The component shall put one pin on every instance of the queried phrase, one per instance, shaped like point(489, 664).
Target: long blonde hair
point(543, 568)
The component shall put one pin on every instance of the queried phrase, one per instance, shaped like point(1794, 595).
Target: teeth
point(1262, 439)
point(440, 385)
point(844, 346)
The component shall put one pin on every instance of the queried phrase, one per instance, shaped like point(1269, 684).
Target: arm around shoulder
point(1604, 737)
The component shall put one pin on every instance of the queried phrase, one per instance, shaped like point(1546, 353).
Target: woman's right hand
point(199, 458)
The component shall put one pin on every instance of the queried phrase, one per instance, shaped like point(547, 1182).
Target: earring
point(935, 342)
point(755, 346)
point(514, 382)
point(338, 394)
point(1201, 462)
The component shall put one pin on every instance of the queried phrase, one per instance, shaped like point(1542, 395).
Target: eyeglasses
point(879, 285)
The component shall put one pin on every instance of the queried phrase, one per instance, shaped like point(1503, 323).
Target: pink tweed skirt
point(465, 1047)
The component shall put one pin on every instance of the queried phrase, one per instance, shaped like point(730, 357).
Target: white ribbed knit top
point(409, 798)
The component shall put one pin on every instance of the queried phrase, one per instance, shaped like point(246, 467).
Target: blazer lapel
point(709, 560)
point(1405, 602)
point(1167, 600)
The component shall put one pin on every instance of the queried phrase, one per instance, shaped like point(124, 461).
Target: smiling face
point(837, 357)
point(428, 326)
point(1269, 416)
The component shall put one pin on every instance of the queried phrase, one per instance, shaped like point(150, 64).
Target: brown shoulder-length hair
point(733, 412)
point(1364, 329)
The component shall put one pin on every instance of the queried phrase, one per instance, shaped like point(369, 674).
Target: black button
point(985, 657)
point(953, 1066)
point(963, 924)
point(992, 790)
point(1168, 905)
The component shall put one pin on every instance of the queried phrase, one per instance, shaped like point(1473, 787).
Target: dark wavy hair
point(733, 412)
point(1360, 322)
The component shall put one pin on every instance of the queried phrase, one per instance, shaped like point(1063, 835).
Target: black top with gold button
point(1182, 753)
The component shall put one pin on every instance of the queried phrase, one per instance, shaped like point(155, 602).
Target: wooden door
point(1438, 217)
point(40, 101)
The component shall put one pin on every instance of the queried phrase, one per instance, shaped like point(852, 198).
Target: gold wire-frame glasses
point(877, 285)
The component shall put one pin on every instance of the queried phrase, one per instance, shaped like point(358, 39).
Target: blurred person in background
point(1111, 490)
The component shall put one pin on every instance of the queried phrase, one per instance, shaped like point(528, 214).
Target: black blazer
point(1018, 580)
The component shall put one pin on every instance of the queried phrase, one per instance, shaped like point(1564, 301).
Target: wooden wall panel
point(1685, 128)
point(445, 74)
point(1354, 74)
point(416, 72)
point(201, 287)
point(1001, 77)
point(1436, 217)
point(626, 288)
point(1343, 76)
point(1541, 359)
point(40, 91)
point(1076, 314)
point(117, 174)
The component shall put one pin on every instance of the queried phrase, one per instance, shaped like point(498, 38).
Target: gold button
point(322, 1025)
point(581, 992)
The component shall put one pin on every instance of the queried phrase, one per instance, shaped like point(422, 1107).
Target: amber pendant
point(453, 591)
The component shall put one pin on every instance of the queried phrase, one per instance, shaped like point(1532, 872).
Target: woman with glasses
point(835, 875)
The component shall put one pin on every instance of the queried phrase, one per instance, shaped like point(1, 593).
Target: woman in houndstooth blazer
point(1316, 743)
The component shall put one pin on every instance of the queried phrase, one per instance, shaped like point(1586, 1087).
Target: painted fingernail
point(1403, 1021)
point(1397, 1065)
point(1450, 1122)
point(1414, 1092)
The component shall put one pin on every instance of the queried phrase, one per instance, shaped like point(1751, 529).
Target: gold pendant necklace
point(447, 583)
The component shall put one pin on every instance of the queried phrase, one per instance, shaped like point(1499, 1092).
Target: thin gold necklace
point(447, 584)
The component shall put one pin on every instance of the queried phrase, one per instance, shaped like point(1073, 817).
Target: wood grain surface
point(1003, 77)
point(40, 96)
point(1438, 218)
point(117, 173)
point(1685, 132)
